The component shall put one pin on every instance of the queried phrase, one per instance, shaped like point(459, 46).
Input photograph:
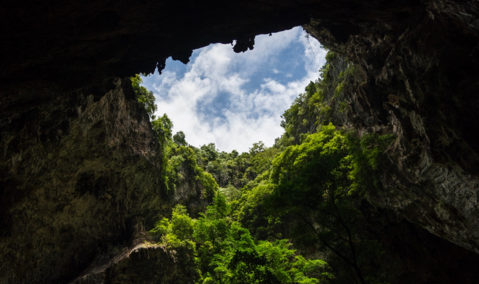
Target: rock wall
point(74, 174)
point(141, 262)
point(419, 65)
point(78, 43)
point(80, 174)
point(413, 255)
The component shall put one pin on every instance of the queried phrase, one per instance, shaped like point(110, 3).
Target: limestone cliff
point(418, 66)
point(76, 173)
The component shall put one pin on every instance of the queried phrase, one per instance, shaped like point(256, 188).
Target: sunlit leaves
point(227, 254)
point(145, 97)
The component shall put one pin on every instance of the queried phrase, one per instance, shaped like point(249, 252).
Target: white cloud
point(218, 74)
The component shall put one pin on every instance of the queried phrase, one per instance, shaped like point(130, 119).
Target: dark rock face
point(80, 43)
point(420, 65)
point(80, 164)
point(79, 174)
point(74, 173)
point(142, 262)
point(413, 255)
point(409, 253)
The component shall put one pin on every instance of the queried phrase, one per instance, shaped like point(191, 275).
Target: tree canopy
point(226, 253)
point(144, 96)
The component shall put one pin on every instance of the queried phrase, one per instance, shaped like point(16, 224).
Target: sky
point(236, 99)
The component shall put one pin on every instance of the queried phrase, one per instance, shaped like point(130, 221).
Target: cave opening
point(236, 99)
point(82, 171)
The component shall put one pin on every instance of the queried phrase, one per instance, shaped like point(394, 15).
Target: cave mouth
point(236, 99)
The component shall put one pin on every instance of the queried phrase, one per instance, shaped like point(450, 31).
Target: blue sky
point(235, 100)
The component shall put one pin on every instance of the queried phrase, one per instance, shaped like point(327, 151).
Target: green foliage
point(263, 160)
point(330, 56)
point(233, 169)
point(249, 210)
point(182, 166)
point(318, 159)
point(343, 106)
point(257, 148)
point(179, 161)
point(208, 182)
point(145, 97)
point(297, 119)
point(310, 182)
point(210, 152)
point(366, 155)
point(297, 268)
point(179, 138)
point(177, 232)
point(339, 88)
point(226, 253)
point(163, 127)
point(320, 103)
point(316, 184)
point(230, 192)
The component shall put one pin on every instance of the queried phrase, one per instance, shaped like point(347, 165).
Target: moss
point(367, 153)
point(330, 56)
point(339, 89)
point(343, 106)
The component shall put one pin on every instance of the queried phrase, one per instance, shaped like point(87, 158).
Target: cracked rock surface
point(419, 66)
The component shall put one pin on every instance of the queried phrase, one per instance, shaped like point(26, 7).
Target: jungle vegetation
point(304, 192)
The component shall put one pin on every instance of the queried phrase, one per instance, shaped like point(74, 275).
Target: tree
point(313, 182)
point(145, 97)
point(176, 232)
point(179, 138)
point(209, 152)
point(163, 127)
point(257, 148)
point(227, 254)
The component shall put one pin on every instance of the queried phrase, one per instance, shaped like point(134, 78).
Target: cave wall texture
point(80, 164)
point(419, 83)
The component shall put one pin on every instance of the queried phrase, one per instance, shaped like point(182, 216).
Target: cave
point(81, 164)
